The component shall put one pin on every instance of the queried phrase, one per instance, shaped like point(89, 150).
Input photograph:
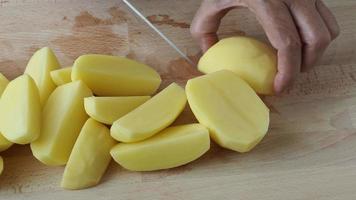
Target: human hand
point(300, 31)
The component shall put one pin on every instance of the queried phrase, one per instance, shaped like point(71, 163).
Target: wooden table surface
point(309, 152)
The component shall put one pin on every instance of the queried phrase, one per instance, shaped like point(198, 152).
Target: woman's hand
point(300, 30)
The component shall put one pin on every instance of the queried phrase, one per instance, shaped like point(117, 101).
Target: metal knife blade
point(163, 36)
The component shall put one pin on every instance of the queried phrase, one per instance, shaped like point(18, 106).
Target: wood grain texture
point(309, 152)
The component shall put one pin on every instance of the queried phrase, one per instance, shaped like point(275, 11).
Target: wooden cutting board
point(309, 152)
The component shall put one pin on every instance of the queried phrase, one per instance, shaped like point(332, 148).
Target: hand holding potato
point(300, 30)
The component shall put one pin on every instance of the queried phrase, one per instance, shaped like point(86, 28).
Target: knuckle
point(291, 43)
point(319, 41)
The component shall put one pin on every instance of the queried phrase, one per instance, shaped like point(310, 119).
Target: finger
point(314, 33)
point(329, 19)
point(289, 62)
point(207, 21)
point(283, 35)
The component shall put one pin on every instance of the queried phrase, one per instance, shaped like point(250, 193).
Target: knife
point(163, 36)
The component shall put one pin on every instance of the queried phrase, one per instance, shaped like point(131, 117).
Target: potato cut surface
point(254, 61)
point(63, 118)
point(109, 109)
point(115, 76)
point(235, 116)
point(20, 111)
point(39, 68)
point(151, 117)
point(172, 147)
point(89, 158)
point(61, 76)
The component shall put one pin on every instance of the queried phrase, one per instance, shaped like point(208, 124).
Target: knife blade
point(160, 33)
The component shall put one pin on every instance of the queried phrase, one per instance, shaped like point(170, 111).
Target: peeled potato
point(20, 111)
point(39, 67)
point(63, 118)
point(236, 117)
point(3, 83)
point(115, 76)
point(172, 147)
point(4, 143)
point(254, 61)
point(61, 76)
point(1, 165)
point(89, 158)
point(109, 109)
point(151, 117)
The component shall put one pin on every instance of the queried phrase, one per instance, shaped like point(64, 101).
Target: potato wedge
point(151, 117)
point(20, 111)
point(115, 76)
point(3, 83)
point(4, 143)
point(61, 76)
point(89, 158)
point(39, 67)
point(63, 118)
point(236, 117)
point(172, 147)
point(109, 109)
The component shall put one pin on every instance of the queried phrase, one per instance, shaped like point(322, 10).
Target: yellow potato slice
point(151, 117)
point(39, 67)
point(1, 165)
point(172, 147)
point(4, 143)
point(89, 158)
point(63, 118)
point(3, 83)
point(109, 109)
point(252, 60)
point(61, 76)
point(20, 111)
point(115, 76)
point(236, 117)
